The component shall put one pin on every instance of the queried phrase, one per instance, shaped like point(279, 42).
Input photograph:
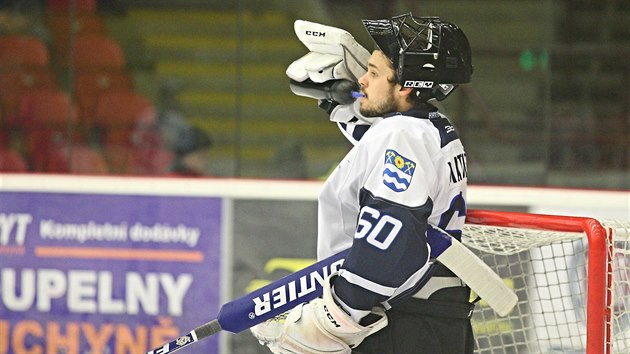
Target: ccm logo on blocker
point(316, 33)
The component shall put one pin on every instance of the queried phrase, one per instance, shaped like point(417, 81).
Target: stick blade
point(479, 277)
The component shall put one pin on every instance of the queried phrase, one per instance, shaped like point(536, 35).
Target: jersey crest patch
point(397, 171)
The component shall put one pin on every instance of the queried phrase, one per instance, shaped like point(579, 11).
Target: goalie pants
point(439, 325)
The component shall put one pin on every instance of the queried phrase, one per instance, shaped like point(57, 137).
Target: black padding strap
point(435, 308)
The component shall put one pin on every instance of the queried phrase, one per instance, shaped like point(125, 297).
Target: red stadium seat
point(97, 52)
point(5, 138)
point(13, 84)
point(64, 6)
point(23, 51)
point(48, 119)
point(66, 158)
point(123, 109)
point(89, 86)
point(126, 121)
point(12, 161)
point(64, 28)
point(46, 108)
point(86, 160)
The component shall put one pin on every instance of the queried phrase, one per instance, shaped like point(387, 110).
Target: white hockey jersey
point(405, 174)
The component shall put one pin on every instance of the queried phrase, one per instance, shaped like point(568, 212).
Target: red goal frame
point(599, 267)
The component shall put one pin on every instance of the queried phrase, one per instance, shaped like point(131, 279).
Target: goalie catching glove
point(316, 327)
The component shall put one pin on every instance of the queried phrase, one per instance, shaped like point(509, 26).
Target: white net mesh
point(620, 311)
point(548, 271)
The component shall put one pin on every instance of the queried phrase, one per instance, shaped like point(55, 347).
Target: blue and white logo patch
point(397, 171)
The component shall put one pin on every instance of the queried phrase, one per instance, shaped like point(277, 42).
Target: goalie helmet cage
point(572, 278)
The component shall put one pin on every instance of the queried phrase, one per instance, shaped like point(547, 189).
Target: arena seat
point(64, 6)
point(90, 85)
point(21, 50)
point(66, 158)
point(94, 52)
point(123, 110)
point(125, 121)
point(64, 28)
point(15, 83)
point(47, 119)
point(5, 138)
point(12, 161)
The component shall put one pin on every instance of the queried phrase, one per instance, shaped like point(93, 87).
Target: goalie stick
point(305, 285)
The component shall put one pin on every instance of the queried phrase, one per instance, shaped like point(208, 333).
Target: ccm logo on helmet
point(316, 33)
point(418, 84)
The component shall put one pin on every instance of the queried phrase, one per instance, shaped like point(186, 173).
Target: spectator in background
point(172, 121)
point(192, 153)
point(190, 145)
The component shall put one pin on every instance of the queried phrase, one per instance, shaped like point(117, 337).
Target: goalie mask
point(428, 54)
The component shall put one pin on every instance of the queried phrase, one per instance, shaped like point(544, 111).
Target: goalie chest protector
point(412, 160)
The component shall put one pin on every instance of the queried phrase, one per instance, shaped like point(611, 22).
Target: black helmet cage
point(427, 53)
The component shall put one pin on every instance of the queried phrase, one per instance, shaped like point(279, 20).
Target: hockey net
point(572, 278)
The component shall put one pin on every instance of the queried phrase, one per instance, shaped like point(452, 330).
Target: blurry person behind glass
point(192, 153)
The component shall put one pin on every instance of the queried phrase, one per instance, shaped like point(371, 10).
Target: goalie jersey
point(405, 175)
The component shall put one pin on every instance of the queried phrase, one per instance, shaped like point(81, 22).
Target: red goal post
point(572, 277)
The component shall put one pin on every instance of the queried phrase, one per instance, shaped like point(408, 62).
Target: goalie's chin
point(365, 110)
point(368, 110)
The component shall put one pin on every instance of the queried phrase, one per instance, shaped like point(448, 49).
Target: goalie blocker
point(334, 54)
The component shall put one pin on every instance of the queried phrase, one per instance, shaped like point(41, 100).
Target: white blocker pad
point(316, 66)
point(337, 54)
